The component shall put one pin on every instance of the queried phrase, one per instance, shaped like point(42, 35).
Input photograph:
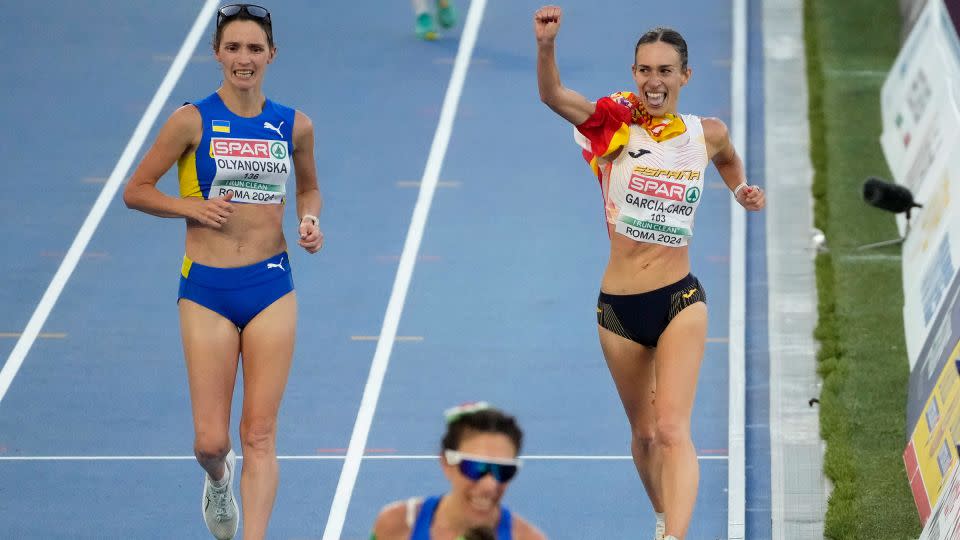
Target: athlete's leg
point(633, 371)
point(423, 21)
point(446, 15)
point(678, 357)
point(267, 349)
point(211, 346)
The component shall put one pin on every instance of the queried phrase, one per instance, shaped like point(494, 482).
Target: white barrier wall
point(944, 523)
point(909, 12)
point(920, 107)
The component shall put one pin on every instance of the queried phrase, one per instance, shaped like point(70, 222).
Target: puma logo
point(268, 125)
point(688, 294)
point(276, 265)
point(638, 153)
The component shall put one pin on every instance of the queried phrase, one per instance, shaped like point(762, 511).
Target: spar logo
point(279, 150)
point(660, 189)
point(240, 148)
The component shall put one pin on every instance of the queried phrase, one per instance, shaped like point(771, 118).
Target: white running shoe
point(220, 511)
point(660, 530)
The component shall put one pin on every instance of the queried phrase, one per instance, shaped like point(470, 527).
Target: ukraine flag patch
point(220, 126)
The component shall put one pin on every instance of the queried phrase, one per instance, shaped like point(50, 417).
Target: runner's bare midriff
point(252, 233)
point(636, 267)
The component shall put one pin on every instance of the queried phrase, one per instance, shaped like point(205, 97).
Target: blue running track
point(95, 426)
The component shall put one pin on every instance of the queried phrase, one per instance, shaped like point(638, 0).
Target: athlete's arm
point(309, 201)
point(572, 106)
point(180, 133)
point(391, 524)
point(729, 165)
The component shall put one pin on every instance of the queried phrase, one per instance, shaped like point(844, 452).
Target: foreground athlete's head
point(660, 69)
point(479, 458)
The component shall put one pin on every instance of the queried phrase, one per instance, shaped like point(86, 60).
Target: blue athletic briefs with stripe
point(239, 294)
point(421, 528)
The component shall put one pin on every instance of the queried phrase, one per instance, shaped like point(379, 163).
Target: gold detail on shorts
point(607, 318)
point(682, 299)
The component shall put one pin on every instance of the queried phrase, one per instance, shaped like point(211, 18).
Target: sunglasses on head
point(476, 467)
point(253, 10)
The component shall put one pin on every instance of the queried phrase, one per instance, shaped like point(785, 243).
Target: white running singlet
point(651, 190)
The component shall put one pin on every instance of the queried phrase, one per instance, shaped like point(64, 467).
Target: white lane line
point(736, 436)
point(59, 281)
point(327, 458)
point(381, 357)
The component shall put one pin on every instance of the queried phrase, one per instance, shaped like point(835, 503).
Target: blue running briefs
point(238, 294)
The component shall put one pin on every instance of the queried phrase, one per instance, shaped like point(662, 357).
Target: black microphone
point(888, 196)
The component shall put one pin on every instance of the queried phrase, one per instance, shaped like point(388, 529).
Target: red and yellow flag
point(608, 129)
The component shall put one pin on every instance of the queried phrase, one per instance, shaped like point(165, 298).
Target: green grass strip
point(850, 46)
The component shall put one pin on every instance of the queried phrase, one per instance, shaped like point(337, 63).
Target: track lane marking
point(89, 226)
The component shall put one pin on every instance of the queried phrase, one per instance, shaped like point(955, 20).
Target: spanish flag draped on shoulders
point(608, 128)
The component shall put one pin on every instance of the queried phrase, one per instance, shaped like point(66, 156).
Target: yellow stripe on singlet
point(187, 173)
point(185, 268)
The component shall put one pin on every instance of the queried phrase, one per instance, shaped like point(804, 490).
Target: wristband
point(316, 222)
point(736, 191)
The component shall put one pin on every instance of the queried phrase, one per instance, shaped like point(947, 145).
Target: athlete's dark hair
point(242, 15)
point(482, 421)
point(668, 36)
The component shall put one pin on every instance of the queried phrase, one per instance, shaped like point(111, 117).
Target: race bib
point(658, 209)
point(254, 170)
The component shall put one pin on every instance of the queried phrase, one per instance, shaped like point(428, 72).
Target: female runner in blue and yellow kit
point(479, 458)
point(235, 150)
point(652, 313)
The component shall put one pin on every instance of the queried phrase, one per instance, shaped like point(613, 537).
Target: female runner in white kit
point(651, 313)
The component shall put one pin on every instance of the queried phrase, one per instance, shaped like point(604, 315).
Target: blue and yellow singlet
point(249, 157)
point(421, 527)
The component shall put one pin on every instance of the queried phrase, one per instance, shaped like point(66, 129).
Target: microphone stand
point(891, 242)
